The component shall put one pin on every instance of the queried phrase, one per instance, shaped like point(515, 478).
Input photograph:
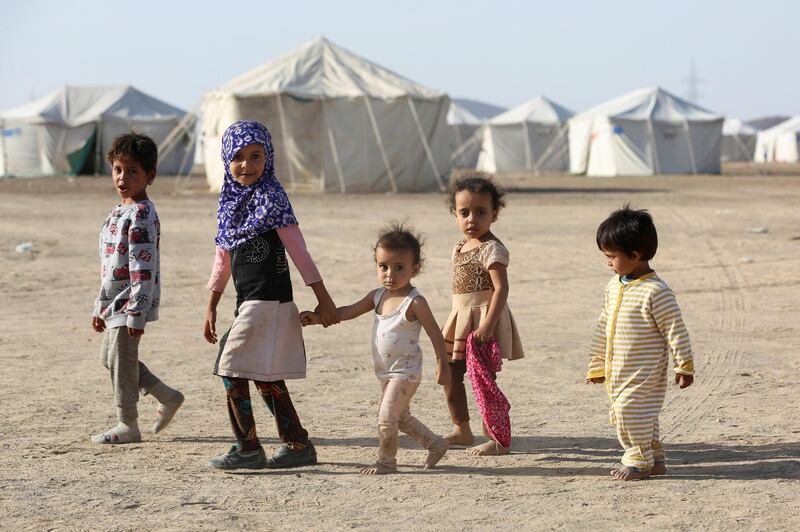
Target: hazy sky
point(501, 52)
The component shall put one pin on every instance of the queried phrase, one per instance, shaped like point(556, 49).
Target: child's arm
point(597, 365)
point(210, 325)
point(142, 260)
point(498, 273)
point(220, 274)
point(421, 311)
point(667, 314)
point(349, 312)
point(292, 239)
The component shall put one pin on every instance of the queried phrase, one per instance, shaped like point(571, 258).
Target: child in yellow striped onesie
point(639, 331)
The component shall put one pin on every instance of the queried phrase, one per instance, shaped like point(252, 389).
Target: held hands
point(98, 324)
point(683, 381)
point(309, 318)
point(210, 327)
point(326, 311)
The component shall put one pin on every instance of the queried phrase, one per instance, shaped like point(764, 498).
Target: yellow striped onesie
point(640, 328)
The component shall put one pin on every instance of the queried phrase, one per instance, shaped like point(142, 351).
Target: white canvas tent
point(645, 132)
point(70, 130)
point(531, 136)
point(779, 143)
point(738, 141)
point(339, 122)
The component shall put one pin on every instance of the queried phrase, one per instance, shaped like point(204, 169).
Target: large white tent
point(339, 122)
point(779, 143)
point(530, 136)
point(645, 132)
point(738, 141)
point(70, 130)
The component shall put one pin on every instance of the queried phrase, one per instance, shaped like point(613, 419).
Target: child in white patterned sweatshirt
point(130, 289)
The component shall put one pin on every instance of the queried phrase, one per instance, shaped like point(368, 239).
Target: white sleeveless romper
point(395, 342)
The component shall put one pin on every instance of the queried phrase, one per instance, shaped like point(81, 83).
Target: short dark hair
point(396, 236)
point(139, 147)
point(476, 182)
point(629, 230)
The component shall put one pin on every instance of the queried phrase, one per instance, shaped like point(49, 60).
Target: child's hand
point(309, 318)
point(98, 324)
point(135, 333)
point(684, 381)
point(483, 333)
point(326, 311)
point(442, 373)
point(595, 380)
point(210, 327)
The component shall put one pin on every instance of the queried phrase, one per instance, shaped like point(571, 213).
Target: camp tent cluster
point(70, 130)
point(341, 123)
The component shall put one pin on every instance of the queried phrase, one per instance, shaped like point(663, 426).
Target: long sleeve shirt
point(639, 326)
point(291, 238)
point(130, 288)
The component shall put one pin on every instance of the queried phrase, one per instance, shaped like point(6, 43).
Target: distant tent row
point(341, 123)
point(70, 131)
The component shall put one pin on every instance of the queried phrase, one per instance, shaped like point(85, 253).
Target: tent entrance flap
point(82, 161)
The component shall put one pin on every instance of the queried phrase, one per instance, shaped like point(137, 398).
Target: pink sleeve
point(220, 271)
point(292, 240)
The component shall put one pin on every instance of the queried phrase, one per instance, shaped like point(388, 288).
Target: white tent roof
point(734, 126)
point(539, 110)
point(652, 103)
point(73, 106)
point(791, 125)
point(321, 69)
point(457, 115)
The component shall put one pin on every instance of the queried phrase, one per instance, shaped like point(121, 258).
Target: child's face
point(130, 179)
point(622, 263)
point(395, 267)
point(475, 213)
point(248, 164)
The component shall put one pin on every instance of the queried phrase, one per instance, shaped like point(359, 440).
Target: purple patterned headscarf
point(247, 211)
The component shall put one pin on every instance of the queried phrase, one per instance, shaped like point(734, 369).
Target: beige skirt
point(468, 312)
point(265, 343)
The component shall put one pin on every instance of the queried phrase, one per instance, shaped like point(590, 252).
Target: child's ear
point(494, 215)
point(635, 255)
point(415, 269)
point(151, 175)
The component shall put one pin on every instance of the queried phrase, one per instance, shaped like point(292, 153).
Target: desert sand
point(729, 247)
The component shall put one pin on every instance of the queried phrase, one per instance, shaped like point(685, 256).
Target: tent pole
point(335, 151)
point(378, 138)
point(691, 148)
point(525, 146)
point(425, 143)
point(654, 151)
point(285, 135)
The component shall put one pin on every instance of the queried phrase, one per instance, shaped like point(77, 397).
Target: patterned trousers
point(276, 397)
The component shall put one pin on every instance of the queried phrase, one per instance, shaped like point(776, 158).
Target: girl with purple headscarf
point(256, 227)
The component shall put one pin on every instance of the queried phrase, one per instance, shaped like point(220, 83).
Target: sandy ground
point(733, 438)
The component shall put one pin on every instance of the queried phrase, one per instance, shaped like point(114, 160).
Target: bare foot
point(461, 435)
point(436, 453)
point(378, 469)
point(490, 448)
point(659, 468)
point(629, 473)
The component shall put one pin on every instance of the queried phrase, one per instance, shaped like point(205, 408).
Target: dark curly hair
point(396, 236)
point(138, 147)
point(476, 182)
point(629, 230)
